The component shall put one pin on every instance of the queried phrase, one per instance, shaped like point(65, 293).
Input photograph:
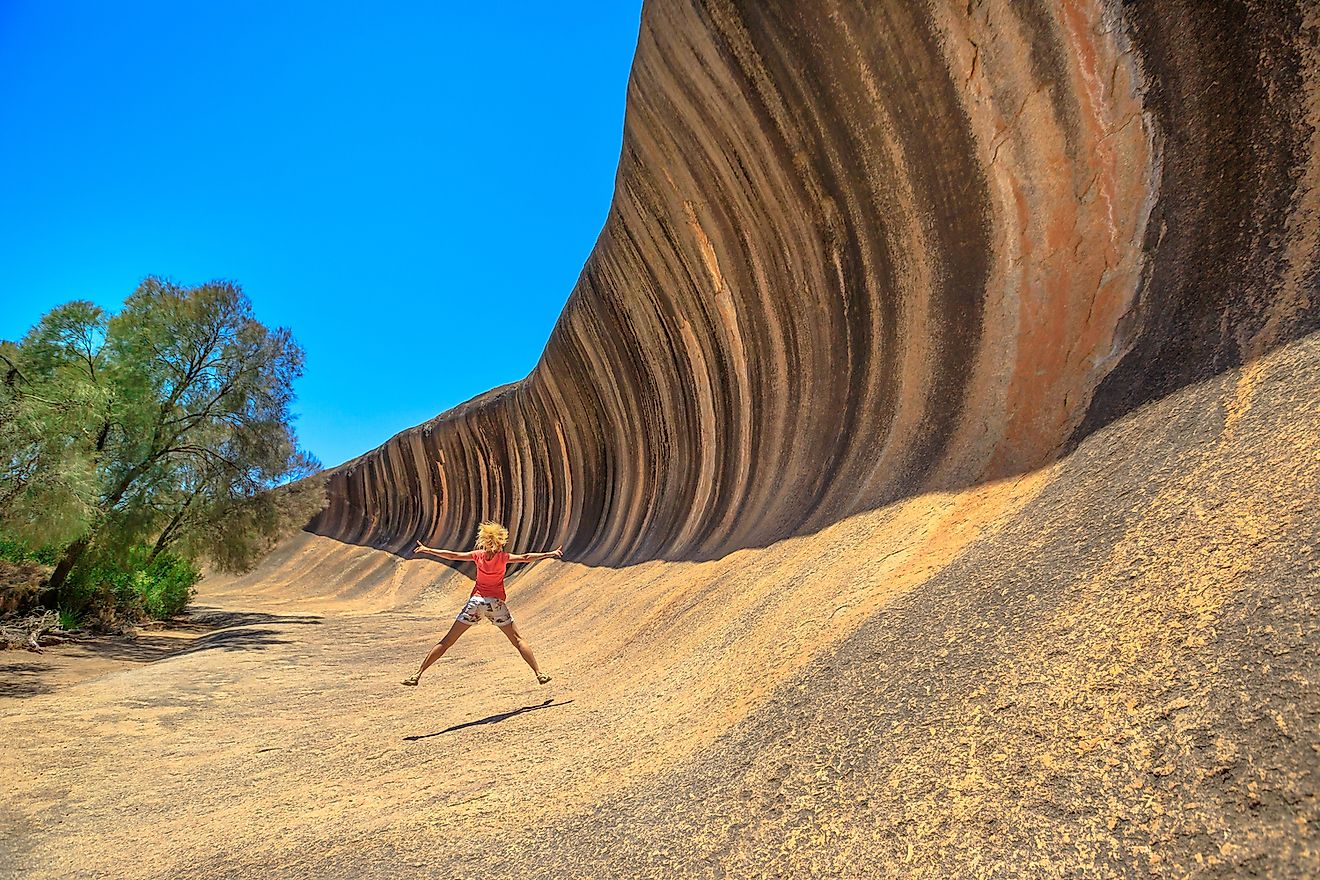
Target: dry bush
point(20, 584)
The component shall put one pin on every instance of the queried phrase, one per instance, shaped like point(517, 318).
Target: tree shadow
point(238, 639)
point(200, 629)
point(211, 629)
point(489, 719)
point(19, 679)
point(205, 619)
point(216, 630)
point(148, 649)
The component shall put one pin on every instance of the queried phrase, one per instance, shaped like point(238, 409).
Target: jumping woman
point(487, 599)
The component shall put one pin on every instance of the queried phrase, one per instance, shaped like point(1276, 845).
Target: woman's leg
point(443, 645)
point(516, 638)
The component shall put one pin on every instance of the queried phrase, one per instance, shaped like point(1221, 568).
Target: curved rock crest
point(858, 251)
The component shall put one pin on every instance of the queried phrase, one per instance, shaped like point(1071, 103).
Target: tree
point(50, 410)
point(168, 423)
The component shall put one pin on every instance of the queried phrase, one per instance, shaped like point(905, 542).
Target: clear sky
point(371, 178)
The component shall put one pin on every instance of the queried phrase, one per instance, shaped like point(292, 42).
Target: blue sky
point(372, 179)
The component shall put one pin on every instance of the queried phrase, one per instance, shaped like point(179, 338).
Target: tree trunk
point(167, 533)
point(72, 554)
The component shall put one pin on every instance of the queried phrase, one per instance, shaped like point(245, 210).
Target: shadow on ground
point(215, 629)
point(489, 719)
point(23, 680)
point(205, 620)
point(202, 629)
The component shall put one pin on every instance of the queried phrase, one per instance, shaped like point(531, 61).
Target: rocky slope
point(1105, 668)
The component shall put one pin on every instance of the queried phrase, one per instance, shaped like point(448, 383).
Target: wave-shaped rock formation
point(860, 250)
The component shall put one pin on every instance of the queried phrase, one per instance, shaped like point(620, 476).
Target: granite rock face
point(863, 250)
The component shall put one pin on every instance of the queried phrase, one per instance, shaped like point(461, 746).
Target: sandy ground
point(1106, 667)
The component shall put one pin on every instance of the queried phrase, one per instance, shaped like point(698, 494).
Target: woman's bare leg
point(516, 638)
point(439, 650)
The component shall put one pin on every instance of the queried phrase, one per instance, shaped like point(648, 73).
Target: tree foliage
point(167, 425)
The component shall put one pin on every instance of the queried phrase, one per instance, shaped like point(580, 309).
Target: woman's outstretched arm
point(533, 557)
point(456, 555)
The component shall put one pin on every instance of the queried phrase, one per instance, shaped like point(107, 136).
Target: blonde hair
point(491, 537)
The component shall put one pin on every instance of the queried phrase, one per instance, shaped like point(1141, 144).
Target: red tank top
point(490, 574)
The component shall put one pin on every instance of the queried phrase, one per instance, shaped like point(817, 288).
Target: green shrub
point(167, 585)
point(23, 574)
point(132, 588)
point(17, 551)
point(20, 585)
point(13, 551)
point(103, 589)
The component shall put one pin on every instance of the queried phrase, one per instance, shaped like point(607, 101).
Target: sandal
point(411, 681)
point(542, 678)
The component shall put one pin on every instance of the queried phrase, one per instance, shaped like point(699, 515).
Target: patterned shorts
point(479, 607)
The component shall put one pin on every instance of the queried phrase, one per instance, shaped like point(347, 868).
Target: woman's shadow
point(489, 719)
